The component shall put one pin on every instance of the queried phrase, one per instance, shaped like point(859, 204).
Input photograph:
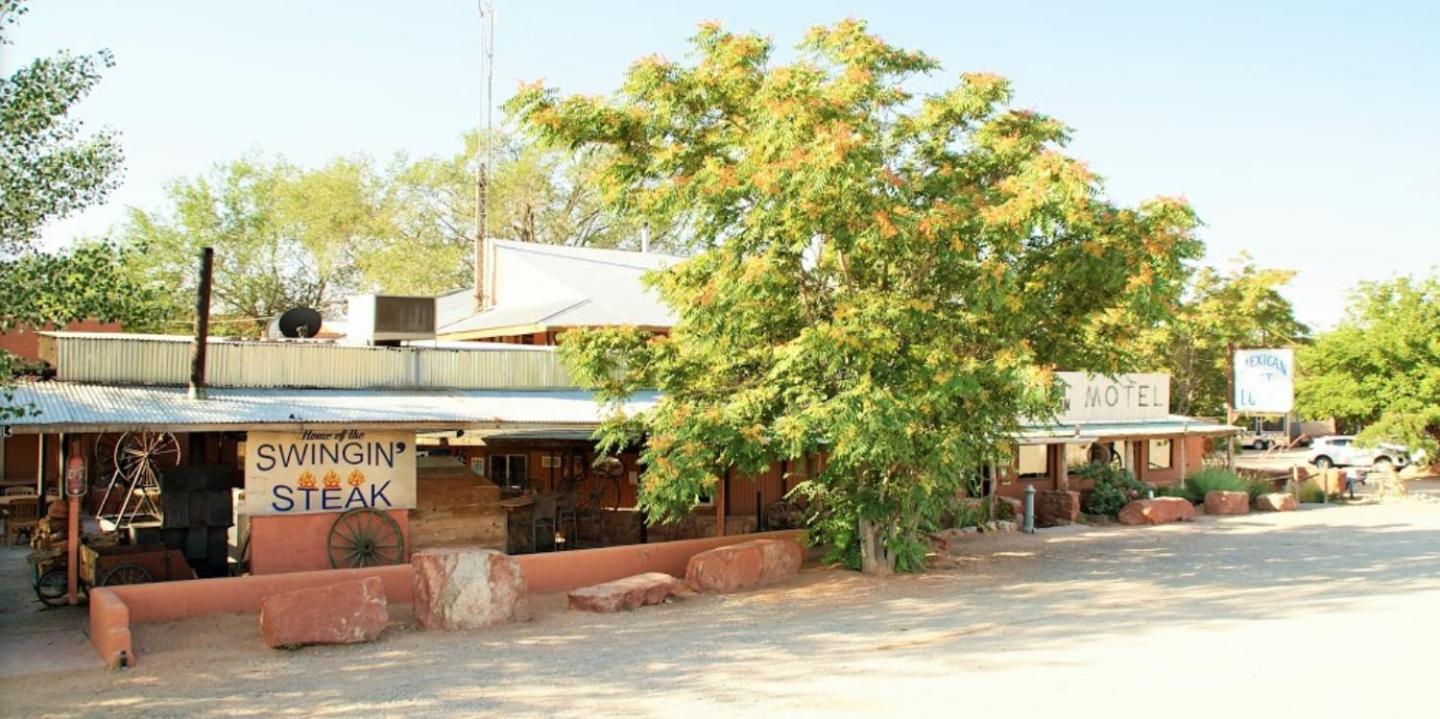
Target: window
point(1034, 461)
point(1078, 455)
point(508, 470)
point(1160, 450)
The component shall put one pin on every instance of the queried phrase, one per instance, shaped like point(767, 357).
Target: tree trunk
point(875, 559)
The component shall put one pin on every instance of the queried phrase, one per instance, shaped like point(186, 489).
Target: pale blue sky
point(1304, 132)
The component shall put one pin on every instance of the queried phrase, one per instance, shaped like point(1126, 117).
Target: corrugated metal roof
point(165, 359)
point(1172, 425)
point(74, 407)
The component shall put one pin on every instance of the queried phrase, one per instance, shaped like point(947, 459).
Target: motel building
point(439, 422)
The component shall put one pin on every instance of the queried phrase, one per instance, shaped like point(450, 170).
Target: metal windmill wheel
point(365, 538)
point(137, 459)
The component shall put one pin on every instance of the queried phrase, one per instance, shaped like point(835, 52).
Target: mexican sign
point(1127, 397)
point(1264, 381)
point(328, 471)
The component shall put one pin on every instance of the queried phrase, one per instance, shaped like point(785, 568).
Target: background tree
point(883, 279)
point(287, 236)
point(47, 171)
point(1242, 305)
point(283, 238)
point(1379, 370)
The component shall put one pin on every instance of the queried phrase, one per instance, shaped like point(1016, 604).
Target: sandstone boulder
point(628, 593)
point(740, 566)
point(1009, 508)
point(1276, 502)
point(467, 589)
point(342, 613)
point(949, 540)
point(1222, 502)
point(1160, 510)
point(1054, 508)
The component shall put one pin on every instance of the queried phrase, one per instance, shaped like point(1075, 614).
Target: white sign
point(1264, 381)
point(1128, 397)
point(328, 471)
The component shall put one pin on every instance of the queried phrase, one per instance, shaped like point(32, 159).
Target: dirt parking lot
point(1329, 611)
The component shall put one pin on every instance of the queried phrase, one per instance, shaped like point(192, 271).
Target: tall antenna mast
point(482, 170)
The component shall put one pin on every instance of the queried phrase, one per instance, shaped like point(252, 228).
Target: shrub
point(1213, 479)
point(1114, 488)
point(1311, 492)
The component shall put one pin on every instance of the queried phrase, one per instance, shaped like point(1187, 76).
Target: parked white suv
point(1341, 451)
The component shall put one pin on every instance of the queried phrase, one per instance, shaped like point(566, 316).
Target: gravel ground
point(1324, 612)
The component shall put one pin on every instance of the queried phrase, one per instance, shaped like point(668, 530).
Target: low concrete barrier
point(113, 609)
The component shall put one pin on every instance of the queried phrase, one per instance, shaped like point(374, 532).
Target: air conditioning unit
point(375, 319)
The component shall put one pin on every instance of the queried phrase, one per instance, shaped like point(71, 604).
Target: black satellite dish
point(300, 322)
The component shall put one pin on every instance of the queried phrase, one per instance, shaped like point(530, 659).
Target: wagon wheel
point(53, 588)
point(365, 538)
point(125, 574)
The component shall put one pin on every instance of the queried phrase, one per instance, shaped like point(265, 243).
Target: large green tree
point(1379, 370)
point(282, 238)
point(286, 235)
point(48, 167)
point(1242, 305)
point(885, 279)
point(48, 170)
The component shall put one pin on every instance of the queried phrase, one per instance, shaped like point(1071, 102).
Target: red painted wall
point(297, 543)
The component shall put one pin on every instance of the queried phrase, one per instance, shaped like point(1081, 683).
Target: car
point(1342, 451)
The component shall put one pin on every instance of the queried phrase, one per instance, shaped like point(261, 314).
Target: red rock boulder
point(343, 613)
point(1222, 502)
point(628, 593)
point(1009, 508)
point(1276, 502)
point(747, 564)
point(467, 589)
point(1056, 507)
point(1160, 510)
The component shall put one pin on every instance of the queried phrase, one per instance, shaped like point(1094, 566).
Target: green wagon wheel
point(365, 538)
point(125, 574)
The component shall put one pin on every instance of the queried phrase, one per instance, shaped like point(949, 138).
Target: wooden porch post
point(721, 489)
point(1062, 472)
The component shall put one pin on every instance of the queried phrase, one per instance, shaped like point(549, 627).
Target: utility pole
point(1230, 405)
point(482, 170)
point(202, 324)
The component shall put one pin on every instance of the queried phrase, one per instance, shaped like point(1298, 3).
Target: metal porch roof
point(75, 407)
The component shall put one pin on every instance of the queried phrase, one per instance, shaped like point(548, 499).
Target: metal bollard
point(1150, 494)
point(1029, 509)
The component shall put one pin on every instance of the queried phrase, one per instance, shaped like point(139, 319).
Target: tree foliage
point(287, 236)
point(1380, 368)
point(1242, 305)
point(48, 167)
point(883, 279)
point(47, 171)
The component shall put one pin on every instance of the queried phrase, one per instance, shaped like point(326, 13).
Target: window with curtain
point(1078, 455)
point(1160, 454)
point(1034, 461)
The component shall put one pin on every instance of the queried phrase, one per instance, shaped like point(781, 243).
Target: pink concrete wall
point(112, 609)
point(297, 542)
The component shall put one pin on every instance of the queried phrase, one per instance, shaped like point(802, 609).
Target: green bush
point(1114, 488)
point(1311, 492)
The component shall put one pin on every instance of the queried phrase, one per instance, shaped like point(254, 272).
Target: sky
point(1303, 133)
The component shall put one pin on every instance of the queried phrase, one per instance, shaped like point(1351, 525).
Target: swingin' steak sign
point(328, 471)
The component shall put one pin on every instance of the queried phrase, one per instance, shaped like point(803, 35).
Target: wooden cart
point(132, 564)
point(107, 566)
